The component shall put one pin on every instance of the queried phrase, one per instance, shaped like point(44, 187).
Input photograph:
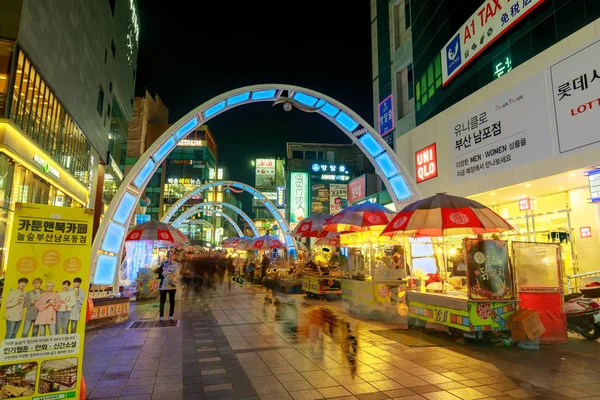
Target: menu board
point(319, 198)
point(488, 274)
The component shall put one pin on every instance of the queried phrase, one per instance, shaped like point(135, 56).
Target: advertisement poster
point(337, 193)
point(299, 196)
point(265, 172)
point(489, 274)
point(357, 189)
point(500, 133)
point(319, 198)
point(44, 302)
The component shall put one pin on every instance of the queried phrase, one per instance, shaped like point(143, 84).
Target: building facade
point(269, 180)
point(57, 102)
point(509, 116)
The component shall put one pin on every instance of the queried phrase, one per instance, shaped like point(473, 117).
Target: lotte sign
point(426, 163)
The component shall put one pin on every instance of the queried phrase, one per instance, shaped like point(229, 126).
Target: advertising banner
point(319, 198)
point(299, 196)
point(488, 270)
point(488, 23)
point(357, 189)
point(576, 98)
point(386, 116)
point(44, 302)
point(265, 172)
point(337, 194)
point(280, 196)
point(501, 133)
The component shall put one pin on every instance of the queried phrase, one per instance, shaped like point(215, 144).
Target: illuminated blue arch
point(222, 214)
point(108, 243)
point(196, 208)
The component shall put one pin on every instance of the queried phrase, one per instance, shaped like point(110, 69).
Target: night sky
point(191, 52)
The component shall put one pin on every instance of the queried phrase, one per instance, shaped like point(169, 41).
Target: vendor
point(311, 265)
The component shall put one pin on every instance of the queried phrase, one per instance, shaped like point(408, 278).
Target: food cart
point(322, 286)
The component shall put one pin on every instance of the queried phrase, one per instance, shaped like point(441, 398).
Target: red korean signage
point(426, 163)
point(357, 189)
point(585, 232)
point(525, 204)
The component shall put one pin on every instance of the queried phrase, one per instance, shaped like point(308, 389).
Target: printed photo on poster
point(488, 273)
point(58, 375)
point(18, 380)
point(337, 194)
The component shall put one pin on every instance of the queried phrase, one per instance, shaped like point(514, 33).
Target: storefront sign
point(45, 294)
point(115, 168)
point(280, 196)
point(585, 232)
point(184, 181)
point(525, 204)
point(576, 98)
point(191, 143)
point(265, 172)
point(500, 133)
point(357, 189)
point(329, 172)
point(594, 181)
point(298, 196)
point(141, 218)
point(426, 166)
point(319, 198)
point(337, 194)
point(386, 116)
point(45, 166)
point(361, 238)
point(488, 23)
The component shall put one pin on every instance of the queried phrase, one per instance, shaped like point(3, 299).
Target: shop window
point(100, 104)
point(310, 155)
point(402, 32)
point(5, 60)
point(405, 103)
point(437, 66)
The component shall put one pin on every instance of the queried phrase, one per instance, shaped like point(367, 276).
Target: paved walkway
point(234, 345)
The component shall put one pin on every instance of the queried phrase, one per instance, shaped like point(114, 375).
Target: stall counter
point(321, 285)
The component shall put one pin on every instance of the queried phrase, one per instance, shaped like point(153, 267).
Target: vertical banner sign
point(265, 172)
point(488, 23)
point(319, 198)
point(280, 196)
point(44, 302)
point(357, 189)
point(426, 163)
point(337, 194)
point(299, 196)
point(386, 115)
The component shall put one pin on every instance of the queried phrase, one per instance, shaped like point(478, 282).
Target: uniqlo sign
point(525, 204)
point(426, 163)
point(585, 232)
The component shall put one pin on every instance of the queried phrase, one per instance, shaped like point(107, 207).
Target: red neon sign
point(525, 204)
point(426, 163)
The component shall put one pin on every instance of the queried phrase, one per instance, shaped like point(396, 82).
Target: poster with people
point(44, 301)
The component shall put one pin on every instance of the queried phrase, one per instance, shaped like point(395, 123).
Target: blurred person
point(168, 273)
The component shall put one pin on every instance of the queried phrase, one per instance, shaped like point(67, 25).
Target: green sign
point(501, 64)
point(299, 195)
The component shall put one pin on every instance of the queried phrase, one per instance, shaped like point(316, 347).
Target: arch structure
point(196, 208)
point(108, 243)
point(222, 214)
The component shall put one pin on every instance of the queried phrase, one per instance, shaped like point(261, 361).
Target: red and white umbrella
point(311, 226)
point(156, 231)
point(329, 241)
point(445, 215)
point(232, 242)
point(360, 217)
point(263, 243)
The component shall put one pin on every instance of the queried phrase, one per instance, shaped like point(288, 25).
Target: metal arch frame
point(108, 243)
point(221, 213)
point(188, 213)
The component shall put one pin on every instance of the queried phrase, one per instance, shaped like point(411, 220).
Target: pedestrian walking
point(168, 273)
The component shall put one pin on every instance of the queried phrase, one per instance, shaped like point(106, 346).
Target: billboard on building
point(280, 196)
point(426, 163)
point(265, 172)
point(337, 194)
point(319, 198)
point(386, 115)
point(299, 196)
point(357, 189)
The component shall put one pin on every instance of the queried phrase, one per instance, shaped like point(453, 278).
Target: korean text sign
point(386, 115)
point(488, 23)
point(357, 189)
point(576, 98)
point(299, 196)
point(44, 300)
point(265, 172)
point(337, 194)
point(501, 133)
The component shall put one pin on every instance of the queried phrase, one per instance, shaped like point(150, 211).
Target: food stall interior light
point(386, 165)
point(371, 145)
point(186, 128)
point(105, 270)
point(144, 174)
point(238, 98)
point(214, 109)
point(164, 150)
point(305, 99)
point(264, 94)
point(113, 239)
point(400, 187)
point(346, 121)
point(124, 209)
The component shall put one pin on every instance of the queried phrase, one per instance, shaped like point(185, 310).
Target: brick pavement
point(232, 346)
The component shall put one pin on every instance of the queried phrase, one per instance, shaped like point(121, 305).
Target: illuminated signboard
point(265, 172)
point(192, 142)
point(184, 181)
point(585, 232)
point(299, 196)
point(502, 66)
point(45, 166)
point(280, 196)
point(525, 204)
point(329, 172)
point(488, 23)
point(594, 181)
point(115, 167)
point(386, 116)
point(426, 163)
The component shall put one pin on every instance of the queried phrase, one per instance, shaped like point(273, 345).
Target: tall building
point(505, 109)
point(65, 74)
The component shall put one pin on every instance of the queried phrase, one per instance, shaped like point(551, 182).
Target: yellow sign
point(44, 302)
point(366, 237)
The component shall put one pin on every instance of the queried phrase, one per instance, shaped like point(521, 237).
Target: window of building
point(113, 48)
point(405, 101)
point(310, 155)
point(6, 51)
point(297, 154)
point(100, 104)
point(402, 30)
point(110, 89)
point(105, 55)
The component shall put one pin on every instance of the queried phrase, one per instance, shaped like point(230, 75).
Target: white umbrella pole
point(445, 274)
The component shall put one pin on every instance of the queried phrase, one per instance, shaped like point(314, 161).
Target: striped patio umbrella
point(265, 242)
point(232, 241)
point(156, 231)
point(332, 240)
point(360, 217)
point(311, 226)
point(445, 215)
